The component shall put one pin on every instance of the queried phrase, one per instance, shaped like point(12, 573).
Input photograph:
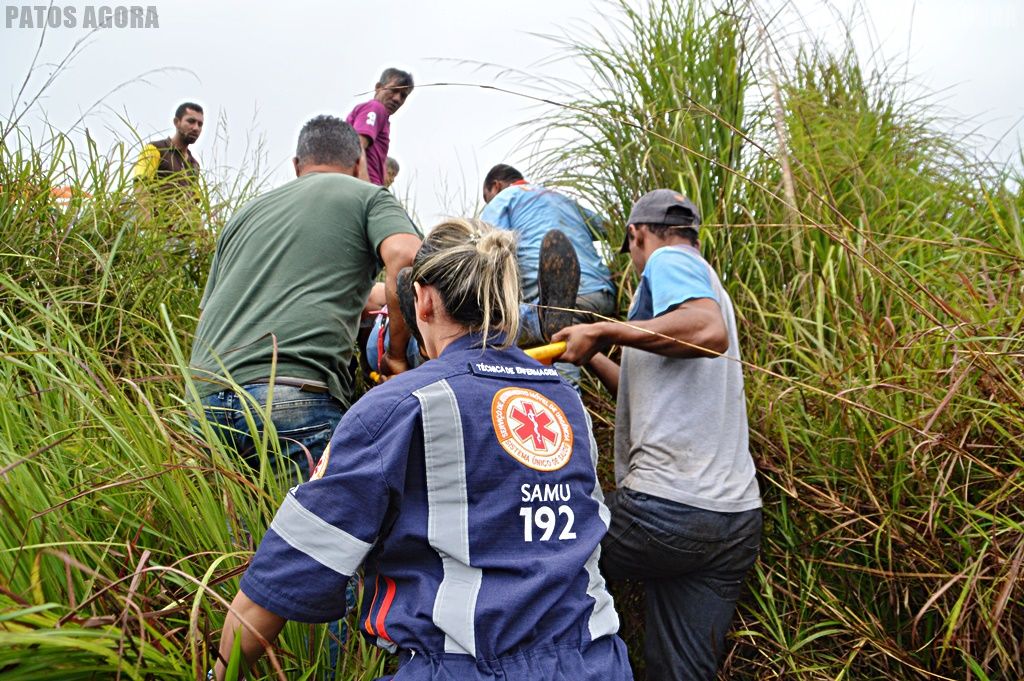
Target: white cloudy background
point(262, 69)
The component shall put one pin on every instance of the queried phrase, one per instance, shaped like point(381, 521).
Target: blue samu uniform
point(467, 491)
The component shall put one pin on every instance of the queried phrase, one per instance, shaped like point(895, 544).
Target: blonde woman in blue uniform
point(466, 490)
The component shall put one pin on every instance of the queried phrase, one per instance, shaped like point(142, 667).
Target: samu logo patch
point(531, 428)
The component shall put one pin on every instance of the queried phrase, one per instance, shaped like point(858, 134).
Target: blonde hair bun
point(473, 267)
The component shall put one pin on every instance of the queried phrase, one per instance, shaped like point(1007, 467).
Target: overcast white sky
point(261, 70)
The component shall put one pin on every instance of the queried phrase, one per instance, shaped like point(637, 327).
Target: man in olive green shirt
point(291, 272)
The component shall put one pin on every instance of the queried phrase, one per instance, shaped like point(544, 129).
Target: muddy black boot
point(558, 281)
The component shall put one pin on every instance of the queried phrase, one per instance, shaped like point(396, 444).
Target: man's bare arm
point(364, 173)
point(694, 329)
point(397, 251)
point(606, 371)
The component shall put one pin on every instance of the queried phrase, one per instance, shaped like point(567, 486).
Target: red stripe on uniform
point(368, 625)
point(389, 597)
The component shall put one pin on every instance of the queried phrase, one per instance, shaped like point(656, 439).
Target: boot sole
point(559, 281)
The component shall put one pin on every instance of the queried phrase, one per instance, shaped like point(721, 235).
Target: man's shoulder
point(677, 255)
point(679, 271)
point(678, 265)
point(371, 106)
point(323, 182)
point(309, 193)
point(507, 197)
point(540, 197)
point(532, 189)
point(161, 145)
point(516, 190)
point(565, 202)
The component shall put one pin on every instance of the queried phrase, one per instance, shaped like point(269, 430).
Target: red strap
point(368, 625)
point(380, 343)
point(389, 597)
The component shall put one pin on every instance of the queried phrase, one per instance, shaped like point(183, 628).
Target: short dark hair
point(327, 140)
point(392, 164)
point(182, 108)
point(502, 173)
point(663, 231)
point(401, 78)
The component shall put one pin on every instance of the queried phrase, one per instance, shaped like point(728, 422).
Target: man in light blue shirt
point(531, 211)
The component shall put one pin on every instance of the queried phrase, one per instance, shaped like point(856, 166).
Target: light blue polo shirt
point(671, 277)
point(530, 211)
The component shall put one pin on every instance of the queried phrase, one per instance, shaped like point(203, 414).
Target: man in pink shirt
point(372, 119)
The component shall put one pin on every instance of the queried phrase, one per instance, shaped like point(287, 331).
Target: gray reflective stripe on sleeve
point(604, 621)
point(318, 539)
point(448, 517)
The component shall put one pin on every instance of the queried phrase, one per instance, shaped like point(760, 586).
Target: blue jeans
point(692, 563)
point(304, 422)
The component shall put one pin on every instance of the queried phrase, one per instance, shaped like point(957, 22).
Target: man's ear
point(639, 235)
point(295, 164)
point(496, 188)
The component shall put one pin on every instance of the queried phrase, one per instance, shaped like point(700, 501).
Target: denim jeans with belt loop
point(304, 421)
point(692, 563)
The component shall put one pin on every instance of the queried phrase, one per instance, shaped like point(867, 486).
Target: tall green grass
point(875, 265)
point(124, 528)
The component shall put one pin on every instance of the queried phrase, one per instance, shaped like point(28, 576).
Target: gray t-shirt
point(289, 279)
point(681, 424)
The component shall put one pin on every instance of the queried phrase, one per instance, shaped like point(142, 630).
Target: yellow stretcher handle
point(546, 354)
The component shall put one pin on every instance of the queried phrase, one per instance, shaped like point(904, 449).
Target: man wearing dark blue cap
point(686, 517)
